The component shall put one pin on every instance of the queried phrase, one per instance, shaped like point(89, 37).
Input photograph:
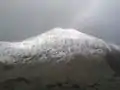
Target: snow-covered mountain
point(57, 57)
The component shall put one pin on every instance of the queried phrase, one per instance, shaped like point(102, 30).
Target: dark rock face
point(113, 58)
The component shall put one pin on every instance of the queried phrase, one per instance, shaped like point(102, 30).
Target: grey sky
point(20, 19)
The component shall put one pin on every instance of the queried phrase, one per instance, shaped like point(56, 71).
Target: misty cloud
point(20, 19)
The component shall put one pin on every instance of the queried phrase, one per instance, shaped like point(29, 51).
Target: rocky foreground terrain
point(19, 84)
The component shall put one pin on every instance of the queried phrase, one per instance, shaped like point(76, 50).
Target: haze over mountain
point(20, 19)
